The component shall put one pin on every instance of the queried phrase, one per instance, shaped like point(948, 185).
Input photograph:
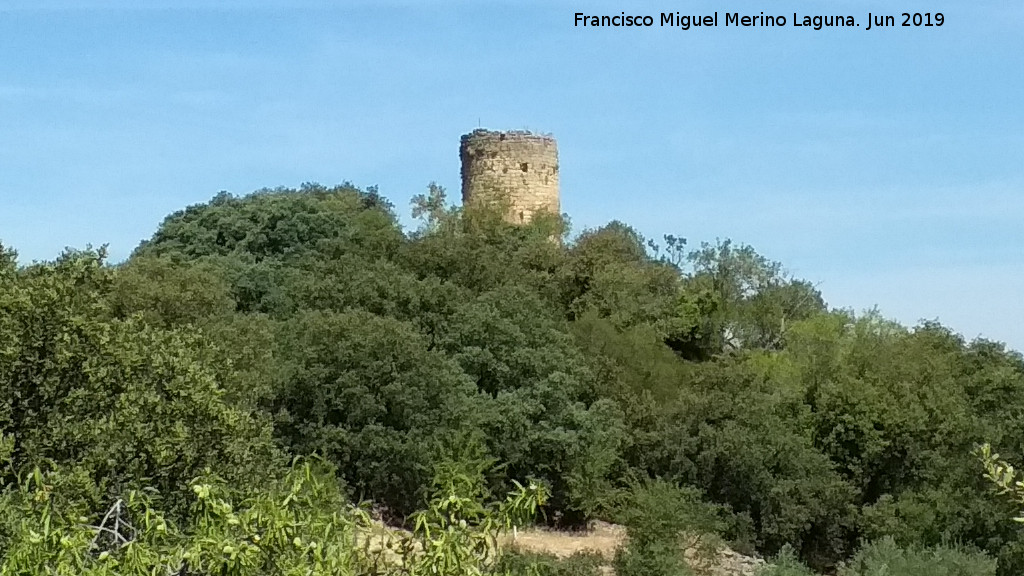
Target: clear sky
point(887, 165)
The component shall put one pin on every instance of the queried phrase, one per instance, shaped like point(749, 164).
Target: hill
point(669, 388)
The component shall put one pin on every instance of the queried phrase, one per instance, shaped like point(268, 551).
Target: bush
point(121, 401)
point(299, 524)
point(885, 558)
point(579, 564)
point(785, 564)
point(656, 514)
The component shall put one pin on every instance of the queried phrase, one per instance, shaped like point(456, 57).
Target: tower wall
point(519, 167)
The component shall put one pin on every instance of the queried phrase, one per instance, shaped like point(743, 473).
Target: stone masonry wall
point(520, 167)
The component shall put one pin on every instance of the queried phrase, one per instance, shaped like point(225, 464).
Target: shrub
point(656, 514)
point(785, 564)
point(524, 564)
point(885, 558)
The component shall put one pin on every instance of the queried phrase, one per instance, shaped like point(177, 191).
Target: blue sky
point(886, 165)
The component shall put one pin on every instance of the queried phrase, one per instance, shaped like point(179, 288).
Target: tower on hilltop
point(517, 167)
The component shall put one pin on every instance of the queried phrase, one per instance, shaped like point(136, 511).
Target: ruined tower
point(519, 168)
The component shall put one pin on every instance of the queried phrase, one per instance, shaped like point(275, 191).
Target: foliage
point(579, 564)
point(661, 521)
point(369, 394)
point(253, 330)
point(755, 300)
point(458, 533)
point(1004, 477)
point(885, 557)
point(785, 563)
point(297, 524)
point(120, 401)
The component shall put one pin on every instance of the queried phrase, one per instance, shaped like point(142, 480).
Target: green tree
point(121, 401)
point(370, 395)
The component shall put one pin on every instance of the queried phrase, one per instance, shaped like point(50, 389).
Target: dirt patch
point(604, 538)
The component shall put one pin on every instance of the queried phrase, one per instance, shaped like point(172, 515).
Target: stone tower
point(520, 168)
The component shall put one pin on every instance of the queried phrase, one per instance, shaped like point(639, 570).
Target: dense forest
point(267, 374)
